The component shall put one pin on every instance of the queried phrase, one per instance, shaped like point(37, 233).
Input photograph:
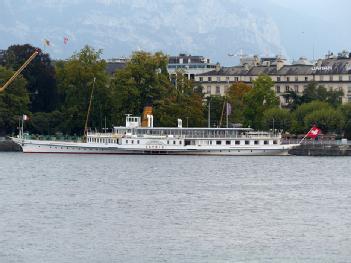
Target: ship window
point(218, 142)
point(247, 142)
point(237, 142)
point(265, 142)
point(256, 142)
point(227, 142)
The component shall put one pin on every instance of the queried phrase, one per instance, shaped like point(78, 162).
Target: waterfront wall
point(321, 150)
point(7, 145)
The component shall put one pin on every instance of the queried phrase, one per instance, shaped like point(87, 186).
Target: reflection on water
point(64, 208)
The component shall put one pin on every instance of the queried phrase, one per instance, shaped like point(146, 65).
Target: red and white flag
point(25, 117)
point(313, 133)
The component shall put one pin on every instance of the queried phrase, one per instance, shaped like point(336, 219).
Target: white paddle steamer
point(135, 139)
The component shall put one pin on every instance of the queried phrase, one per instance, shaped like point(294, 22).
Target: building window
point(227, 142)
point(237, 142)
point(288, 79)
point(340, 78)
point(218, 90)
point(349, 77)
point(256, 142)
point(218, 79)
point(331, 78)
point(278, 89)
point(237, 78)
point(296, 78)
point(209, 89)
point(250, 79)
point(287, 88)
point(278, 78)
point(321, 77)
point(265, 142)
point(296, 88)
point(209, 78)
point(174, 142)
point(201, 79)
point(306, 78)
point(227, 78)
point(349, 89)
point(218, 142)
point(247, 142)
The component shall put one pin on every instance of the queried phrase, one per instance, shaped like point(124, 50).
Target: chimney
point(280, 64)
point(218, 67)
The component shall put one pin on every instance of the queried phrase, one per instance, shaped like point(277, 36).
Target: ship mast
point(88, 113)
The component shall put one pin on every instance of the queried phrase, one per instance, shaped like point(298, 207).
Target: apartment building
point(333, 72)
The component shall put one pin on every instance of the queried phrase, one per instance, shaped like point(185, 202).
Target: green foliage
point(76, 81)
point(277, 118)
point(144, 77)
point(345, 111)
point(235, 96)
point(313, 92)
point(182, 102)
point(216, 107)
point(47, 123)
point(327, 119)
point(260, 98)
point(40, 76)
point(13, 103)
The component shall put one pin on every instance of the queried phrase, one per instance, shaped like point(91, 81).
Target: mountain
point(212, 28)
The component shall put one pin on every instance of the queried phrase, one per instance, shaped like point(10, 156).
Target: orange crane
point(25, 64)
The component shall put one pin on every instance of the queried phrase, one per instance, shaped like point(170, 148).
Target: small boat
point(134, 138)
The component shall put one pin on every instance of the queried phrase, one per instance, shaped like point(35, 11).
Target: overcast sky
point(212, 28)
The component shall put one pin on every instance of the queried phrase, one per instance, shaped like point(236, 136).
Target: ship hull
point(56, 147)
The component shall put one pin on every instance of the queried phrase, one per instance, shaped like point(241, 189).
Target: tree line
point(56, 96)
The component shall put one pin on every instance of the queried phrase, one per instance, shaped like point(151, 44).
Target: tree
point(235, 96)
point(76, 79)
point(277, 118)
point(40, 76)
point(145, 76)
point(184, 102)
point(345, 110)
point(327, 119)
point(313, 91)
point(13, 102)
point(260, 98)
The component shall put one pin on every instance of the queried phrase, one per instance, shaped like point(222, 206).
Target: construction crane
point(25, 64)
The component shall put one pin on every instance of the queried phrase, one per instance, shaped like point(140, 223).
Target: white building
point(333, 72)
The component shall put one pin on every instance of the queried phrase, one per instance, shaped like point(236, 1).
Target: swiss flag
point(314, 132)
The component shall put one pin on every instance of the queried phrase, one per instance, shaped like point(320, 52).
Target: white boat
point(135, 139)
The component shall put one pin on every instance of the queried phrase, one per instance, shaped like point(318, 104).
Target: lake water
point(101, 208)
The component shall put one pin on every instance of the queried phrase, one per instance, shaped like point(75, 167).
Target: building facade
point(333, 72)
point(189, 65)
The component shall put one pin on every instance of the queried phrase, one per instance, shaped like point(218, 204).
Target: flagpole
point(305, 135)
point(227, 114)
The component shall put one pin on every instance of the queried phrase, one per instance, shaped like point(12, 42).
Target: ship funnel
point(150, 121)
point(180, 123)
point(147, 111)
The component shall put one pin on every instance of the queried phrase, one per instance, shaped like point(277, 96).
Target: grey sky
point(212, 28)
